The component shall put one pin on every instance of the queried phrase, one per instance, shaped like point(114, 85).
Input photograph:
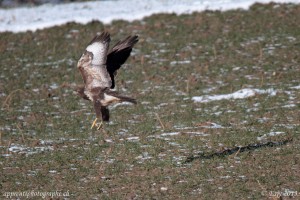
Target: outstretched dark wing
point(118, 55)
point(99, 48)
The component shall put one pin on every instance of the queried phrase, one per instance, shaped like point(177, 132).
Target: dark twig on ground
point(233, 150)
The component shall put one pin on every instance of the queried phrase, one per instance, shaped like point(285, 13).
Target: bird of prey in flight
point(98, 67)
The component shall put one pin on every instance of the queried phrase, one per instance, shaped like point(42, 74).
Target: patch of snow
point(46, 142)
point(14, 148)
point(289, 106)
point(145, 102)
point(251, 77)
point(180, 62)
point(54, 86)
point(177, 133)
point(109, 140)
point(182, 127)
point(122, 131)
point(263, 120)
point(133, 139)
point(225, 177)
point(296, 87)
point(36, 90)
point(269, 134)
point(121, 104)
point(211, 125)
point(31, 173)
point(22, 149)
point(49, 15)
point(170, 134)
point(240, 94)
point(144, 156)
point(174, 144)
point(288, 126)
point(242, 177)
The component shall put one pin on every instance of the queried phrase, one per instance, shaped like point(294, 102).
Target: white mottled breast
point(99, 76)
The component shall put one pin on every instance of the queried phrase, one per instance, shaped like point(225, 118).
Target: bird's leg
point(94, 123)
point(97, 107)
point(98, 125)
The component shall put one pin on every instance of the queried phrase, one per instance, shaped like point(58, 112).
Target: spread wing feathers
point(99, 48)
point(118, 55)
point(92, 63)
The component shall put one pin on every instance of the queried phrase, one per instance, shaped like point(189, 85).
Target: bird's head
point(85, 59)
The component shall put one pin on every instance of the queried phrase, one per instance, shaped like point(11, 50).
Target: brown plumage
point(98, 69)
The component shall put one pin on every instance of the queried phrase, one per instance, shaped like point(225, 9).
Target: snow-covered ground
point(48, 15)
point(240, 94)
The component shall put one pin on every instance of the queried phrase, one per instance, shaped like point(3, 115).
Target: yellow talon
point(98, 125)
point(94, 123)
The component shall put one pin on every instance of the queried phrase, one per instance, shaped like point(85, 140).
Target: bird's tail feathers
point(121, 97)
point(127, 99)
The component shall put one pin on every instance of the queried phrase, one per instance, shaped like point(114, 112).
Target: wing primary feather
point(119, 54)
point(128, 42)
point(99, 48)
point(103, 37)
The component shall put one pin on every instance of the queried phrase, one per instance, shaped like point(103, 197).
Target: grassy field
point(164, 147)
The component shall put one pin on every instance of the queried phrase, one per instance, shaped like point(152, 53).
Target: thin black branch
point(233, 150)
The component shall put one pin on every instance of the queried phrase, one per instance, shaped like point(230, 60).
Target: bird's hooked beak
point(85, 59)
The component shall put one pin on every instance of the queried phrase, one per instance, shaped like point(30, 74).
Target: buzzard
point(98, 68)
